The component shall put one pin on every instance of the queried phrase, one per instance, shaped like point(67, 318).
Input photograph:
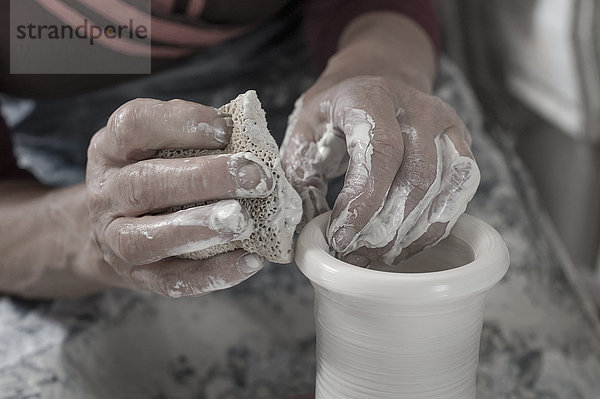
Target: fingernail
point(252, 176)
point(250, 264)
point(223, 127)
point(229, 216)
point(356, 260)
point(341, 238)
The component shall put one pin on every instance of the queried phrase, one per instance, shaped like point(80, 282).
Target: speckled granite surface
point(257, 340)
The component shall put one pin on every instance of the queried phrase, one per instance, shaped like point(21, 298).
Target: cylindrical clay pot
point(410, 334)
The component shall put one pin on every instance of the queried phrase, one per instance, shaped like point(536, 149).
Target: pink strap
point(73, 18)
point(165, 31)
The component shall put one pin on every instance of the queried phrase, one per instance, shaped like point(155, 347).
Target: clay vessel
point(410, 334)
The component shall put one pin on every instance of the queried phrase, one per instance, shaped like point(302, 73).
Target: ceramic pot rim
point(490, 264)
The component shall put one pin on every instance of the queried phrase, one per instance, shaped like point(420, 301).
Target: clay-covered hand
point(128, 188)
point(409, 169)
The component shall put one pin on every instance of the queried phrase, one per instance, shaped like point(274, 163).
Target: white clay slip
point(444, 202)
point(326, 157)
point(408, 335)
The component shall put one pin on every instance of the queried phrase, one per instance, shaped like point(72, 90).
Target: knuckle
point(433, 108)
point(378, 84)
point(439, 106)
point(95, 146)
point(371, 88)
point(125, 246)
point(124, 117)
point(135, 188)
point(374, 83)
point(99, 197)
point(97, 180)
point(441, 109)
point(178, 103)
point(124, 122)
point(95, 199)
point(171, 284)
point(100, 235)
point(167, 284)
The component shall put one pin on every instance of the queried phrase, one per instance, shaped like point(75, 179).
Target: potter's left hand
point(409, 168)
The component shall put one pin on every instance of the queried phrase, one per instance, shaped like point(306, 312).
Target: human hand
point(410, 171)
point(127, 188)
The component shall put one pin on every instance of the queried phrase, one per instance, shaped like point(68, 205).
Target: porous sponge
point(275, 216)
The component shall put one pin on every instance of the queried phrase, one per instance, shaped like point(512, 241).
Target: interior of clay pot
point(471, 260)
point(447, 254)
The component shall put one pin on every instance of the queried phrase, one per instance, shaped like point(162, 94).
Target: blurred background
point(535, 66)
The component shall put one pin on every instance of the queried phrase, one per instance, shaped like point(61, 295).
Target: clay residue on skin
point(178, 289)
point(458, 186)
point(228, 217)
point(289, 215)
point(455, 183)
point(359, 126)
point(226, 220)
point(186, 288)
point(314, 162)
point(147, 235)
point(195, 127)
point(450, 200)
point(251, 183)
point(397, 223)
point(216, 130)
point(413, 225)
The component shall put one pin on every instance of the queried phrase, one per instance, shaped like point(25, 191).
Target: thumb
point(311, 153)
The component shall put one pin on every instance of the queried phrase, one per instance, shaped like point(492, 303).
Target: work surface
point(257, 340)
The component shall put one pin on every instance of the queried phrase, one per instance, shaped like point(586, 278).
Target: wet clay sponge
point(275, 216)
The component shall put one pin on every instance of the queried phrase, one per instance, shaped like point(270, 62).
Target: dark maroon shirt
point(325, 20)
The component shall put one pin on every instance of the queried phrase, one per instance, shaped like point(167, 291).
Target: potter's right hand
point(127, 188)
